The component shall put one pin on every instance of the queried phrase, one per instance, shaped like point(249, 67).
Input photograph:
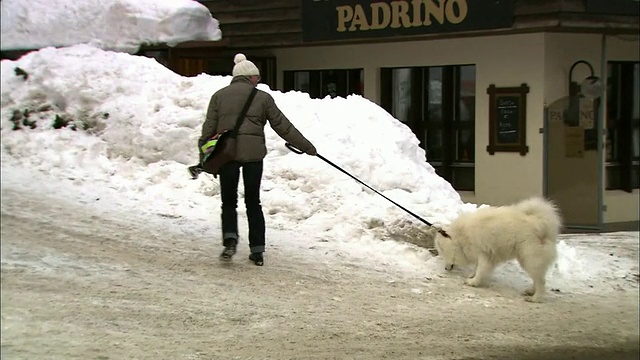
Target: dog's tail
point(547, 217)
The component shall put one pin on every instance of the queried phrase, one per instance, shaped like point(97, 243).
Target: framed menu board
point(507, 119)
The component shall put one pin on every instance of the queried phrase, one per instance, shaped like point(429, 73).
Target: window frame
point(622, 168)
point(319, 78)
point(447, 164)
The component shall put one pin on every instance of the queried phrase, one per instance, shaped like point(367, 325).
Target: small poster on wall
point(587, 113)
point(574, 141)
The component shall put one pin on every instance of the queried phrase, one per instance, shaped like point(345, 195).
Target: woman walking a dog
point(224, 108)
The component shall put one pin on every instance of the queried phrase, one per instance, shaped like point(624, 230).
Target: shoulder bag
point(220, 148)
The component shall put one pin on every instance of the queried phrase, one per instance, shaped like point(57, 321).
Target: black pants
point(251, 175)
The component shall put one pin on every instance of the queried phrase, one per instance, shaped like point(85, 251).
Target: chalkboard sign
point(508, 112)
point(507, 119)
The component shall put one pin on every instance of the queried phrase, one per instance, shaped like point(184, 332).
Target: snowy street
point(80, 284)
point(109, 249)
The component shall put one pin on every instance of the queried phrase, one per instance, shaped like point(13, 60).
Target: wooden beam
point(276, 27)
point(258, 16)
point(223, 6)
point(264, 41)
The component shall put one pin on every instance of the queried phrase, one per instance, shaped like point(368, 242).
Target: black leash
point(297, 151)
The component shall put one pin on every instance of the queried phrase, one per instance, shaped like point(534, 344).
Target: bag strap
point(244, 112)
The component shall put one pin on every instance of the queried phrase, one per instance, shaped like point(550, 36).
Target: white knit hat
point(244, 67)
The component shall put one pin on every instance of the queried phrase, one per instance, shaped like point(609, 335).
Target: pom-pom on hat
point(244, 67)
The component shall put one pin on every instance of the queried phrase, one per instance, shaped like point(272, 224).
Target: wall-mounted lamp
point(592, 87)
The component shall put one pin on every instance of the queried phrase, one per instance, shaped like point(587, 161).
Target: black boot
point(257, 259)
point(229, 249)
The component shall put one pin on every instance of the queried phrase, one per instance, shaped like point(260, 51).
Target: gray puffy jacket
point(227, 103)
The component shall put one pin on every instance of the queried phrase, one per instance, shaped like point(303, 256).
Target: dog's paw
point(529, 292)
point(448, 267)
point(533, 299)
point(471, 282)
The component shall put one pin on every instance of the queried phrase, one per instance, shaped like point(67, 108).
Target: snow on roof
point(121, 25)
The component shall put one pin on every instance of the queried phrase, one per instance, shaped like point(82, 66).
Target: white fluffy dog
point(526, 231)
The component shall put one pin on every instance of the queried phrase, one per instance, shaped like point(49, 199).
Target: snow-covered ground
point(80, 281)
point(132, 129)
point(109, 248)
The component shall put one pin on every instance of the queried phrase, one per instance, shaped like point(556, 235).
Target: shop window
point(623, 126)
point(322, 83)
point(438, 105)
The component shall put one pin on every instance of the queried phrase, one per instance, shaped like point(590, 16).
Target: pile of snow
point(120, 25)
point(132, 126)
